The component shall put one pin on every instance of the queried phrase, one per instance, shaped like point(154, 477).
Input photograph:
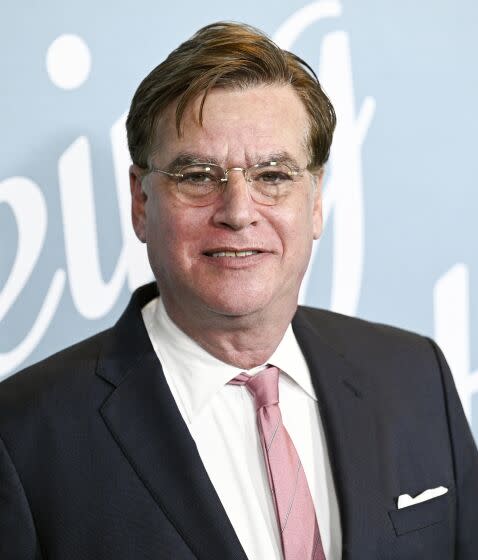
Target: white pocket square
point(406, 500)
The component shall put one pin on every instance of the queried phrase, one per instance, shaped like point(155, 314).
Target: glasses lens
point(271, 182)
point(200, 184)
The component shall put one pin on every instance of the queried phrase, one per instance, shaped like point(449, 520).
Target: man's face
point(240, 128)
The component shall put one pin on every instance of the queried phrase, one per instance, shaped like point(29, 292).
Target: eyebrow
point(281, 157)
point(181, 160)
point(187, 158)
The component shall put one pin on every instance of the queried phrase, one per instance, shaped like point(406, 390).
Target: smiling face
point(234, 257)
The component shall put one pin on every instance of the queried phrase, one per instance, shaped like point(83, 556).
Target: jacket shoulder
point(341, 325)
point(64, 374)
point(365, 341)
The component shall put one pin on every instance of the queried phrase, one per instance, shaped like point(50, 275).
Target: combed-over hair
point(226, 55)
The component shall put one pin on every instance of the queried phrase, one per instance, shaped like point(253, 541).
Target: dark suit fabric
point(97, 463)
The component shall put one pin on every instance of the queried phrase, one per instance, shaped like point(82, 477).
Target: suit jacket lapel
point(344, 392)
point(145, 421)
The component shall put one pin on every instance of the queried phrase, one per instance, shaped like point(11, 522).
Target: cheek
point(297, 241)
point(175, 230)
point(296, 227)
point(158, 230)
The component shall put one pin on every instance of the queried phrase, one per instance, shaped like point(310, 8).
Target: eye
point(272, 182)
point(272, 176)
point(198, 177)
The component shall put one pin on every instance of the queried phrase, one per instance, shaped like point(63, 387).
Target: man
point(218, 420)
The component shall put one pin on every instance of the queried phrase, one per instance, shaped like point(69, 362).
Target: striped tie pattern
point(295, 511)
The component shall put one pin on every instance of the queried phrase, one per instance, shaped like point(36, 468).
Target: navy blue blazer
point(97, 463)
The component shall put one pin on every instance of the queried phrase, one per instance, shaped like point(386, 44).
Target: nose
point(236, 209)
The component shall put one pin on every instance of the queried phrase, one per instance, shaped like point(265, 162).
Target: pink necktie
point(295, 511)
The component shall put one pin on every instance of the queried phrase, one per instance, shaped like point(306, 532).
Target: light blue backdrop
point(401, 196)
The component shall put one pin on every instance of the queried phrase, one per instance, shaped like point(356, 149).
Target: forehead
point(240, 126)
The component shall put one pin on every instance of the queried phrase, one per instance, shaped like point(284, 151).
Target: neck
point(244, 341)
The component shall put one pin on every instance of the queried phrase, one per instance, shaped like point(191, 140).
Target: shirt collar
point(198, 376)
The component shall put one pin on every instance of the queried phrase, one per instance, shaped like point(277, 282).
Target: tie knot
point(264, 386)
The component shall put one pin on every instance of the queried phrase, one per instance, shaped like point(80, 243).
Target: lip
point(230, 249)
point(235, 262)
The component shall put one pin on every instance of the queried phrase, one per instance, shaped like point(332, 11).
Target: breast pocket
point(419, 516)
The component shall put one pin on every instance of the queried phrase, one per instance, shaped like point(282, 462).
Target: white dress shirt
point(222, 422)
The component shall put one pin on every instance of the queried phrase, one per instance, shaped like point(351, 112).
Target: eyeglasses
point(200, 184)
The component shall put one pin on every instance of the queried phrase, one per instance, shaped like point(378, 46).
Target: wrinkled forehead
point(263, 119)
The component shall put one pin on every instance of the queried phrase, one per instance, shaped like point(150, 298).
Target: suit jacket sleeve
point(465, 458)
point(17, 530)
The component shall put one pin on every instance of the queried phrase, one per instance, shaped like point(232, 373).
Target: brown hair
point(226, 55)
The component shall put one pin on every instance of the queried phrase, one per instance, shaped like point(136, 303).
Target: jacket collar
point(345, 393)
point(143, 418)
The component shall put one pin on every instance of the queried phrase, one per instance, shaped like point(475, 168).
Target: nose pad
point(243, 171)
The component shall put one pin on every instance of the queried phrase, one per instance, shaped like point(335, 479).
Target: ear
point(138, 202)
point(318, 177)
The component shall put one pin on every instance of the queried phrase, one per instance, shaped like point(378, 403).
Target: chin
point(237, 305)
point(235, 309)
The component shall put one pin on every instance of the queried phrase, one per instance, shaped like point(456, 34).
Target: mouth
point(242, 253)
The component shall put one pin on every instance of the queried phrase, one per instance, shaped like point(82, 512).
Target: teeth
point(234, 254)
